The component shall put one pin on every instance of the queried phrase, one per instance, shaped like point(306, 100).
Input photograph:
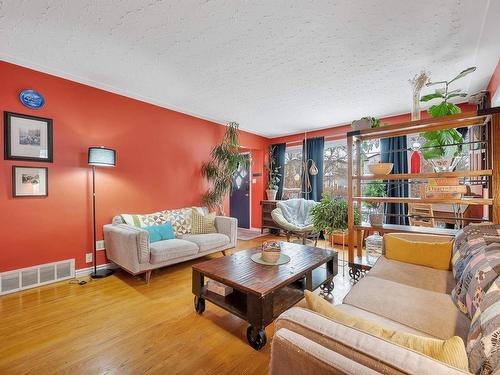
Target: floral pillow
point(483, 340)
point(482, 269)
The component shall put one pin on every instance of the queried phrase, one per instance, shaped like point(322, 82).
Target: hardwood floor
point(120, 325)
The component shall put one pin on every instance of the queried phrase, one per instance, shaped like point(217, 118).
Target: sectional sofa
point(463, 301)
point(128, 245)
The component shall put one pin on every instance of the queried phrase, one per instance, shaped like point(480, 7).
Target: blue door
point(239, 203)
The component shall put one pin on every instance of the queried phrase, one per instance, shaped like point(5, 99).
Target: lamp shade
point(102, 157)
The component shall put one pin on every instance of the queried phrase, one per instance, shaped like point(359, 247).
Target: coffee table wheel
point(327, 288)
point(256, 337)
point(354, 273)
point(199, 304)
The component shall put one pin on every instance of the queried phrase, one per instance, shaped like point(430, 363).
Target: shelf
point(388, 228)
point(468, 201)
point(415, 176)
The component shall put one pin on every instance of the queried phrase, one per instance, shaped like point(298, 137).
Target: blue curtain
point(278, 155)
point(393, 150)
point(313, 149)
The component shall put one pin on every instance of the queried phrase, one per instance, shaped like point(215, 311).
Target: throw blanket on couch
point(297, 211)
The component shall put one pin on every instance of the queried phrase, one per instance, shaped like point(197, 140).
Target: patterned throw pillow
point(483, 341)
point(180, 219)
point(481, 270)
point(470, 240)
point(142, 221)
point(203, 224)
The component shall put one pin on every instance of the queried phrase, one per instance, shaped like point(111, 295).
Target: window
point(335, 168)
point(292, 177)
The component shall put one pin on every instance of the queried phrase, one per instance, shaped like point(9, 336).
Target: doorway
point(239, 202)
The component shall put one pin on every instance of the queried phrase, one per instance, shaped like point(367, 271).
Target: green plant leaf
point(462, 94)
point(428, 97)
point(463, 73)
point(438, 110)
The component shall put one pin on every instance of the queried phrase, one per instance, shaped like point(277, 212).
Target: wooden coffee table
point(260, 292)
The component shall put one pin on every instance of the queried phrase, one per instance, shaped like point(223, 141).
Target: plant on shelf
point(365, 123)
point(330, 215)
point(375, 189)
point(444, 144)
point(274, 175)
point(219, 171)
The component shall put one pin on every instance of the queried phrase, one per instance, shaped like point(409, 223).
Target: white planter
point(376, 220)
point(361, 124)
point(271, 194)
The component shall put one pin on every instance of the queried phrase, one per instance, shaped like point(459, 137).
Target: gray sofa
point(129, 247)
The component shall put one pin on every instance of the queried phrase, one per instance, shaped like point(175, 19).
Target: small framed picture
point(27, 137)
point(30, 181)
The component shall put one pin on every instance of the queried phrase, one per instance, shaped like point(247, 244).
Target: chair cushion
point(479, 273)
point(483, 342)
point(162, 251)
point(423, 253)
point(440, 281)
point(208, 241)
point(410, 306)
point(450, 351)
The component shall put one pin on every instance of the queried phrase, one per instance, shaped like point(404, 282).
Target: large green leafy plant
point(273, 170)
point(444, 143)
point(330, 214)
point(219, 171)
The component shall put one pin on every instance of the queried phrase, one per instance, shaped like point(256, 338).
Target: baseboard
point(87, 271)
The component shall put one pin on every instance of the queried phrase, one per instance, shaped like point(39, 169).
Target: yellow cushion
point(451, 351)
point(430, 254)
point(202, 224)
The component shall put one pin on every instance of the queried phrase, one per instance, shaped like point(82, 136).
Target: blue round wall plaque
point(32, 99)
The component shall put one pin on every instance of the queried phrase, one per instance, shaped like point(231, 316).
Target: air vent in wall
point(25, 278)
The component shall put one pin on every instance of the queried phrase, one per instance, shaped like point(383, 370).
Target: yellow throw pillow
point(202, 224)
point(429, 254)
point(451, 351)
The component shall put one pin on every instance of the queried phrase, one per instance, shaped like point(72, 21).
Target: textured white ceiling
point(275, 66)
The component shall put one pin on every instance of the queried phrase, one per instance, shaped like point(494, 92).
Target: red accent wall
point(159, 155)
point(495, 80)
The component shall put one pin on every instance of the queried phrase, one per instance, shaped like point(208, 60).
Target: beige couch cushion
point(361, 347)
point(380, 320)
point(162, 251)
point(208, 241)
point(424, 310)
point(440, 281)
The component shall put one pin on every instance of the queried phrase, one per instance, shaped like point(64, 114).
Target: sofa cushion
point(483, 341)
point(450, 351)
point(207, 242)
point(440, 281)
point(431, 253)
point(202, 223)
point(410, 306)
point(479, 273)
point(162, 251)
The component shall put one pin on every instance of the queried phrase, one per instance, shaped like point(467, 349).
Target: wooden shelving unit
point(489, 118)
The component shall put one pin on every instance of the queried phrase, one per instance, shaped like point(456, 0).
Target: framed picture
point(30, 181)
point(27, 137)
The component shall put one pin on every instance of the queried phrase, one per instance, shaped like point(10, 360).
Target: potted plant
point(443, 146)
point(375, 214)
point(274, 176)
point(365, 123)
point(330, 215)
point(219, 171)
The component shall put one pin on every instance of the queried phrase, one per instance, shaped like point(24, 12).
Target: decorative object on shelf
point(330, 215)
point(365, 123)
point(417, 83)
point(274, 176)
point(27, 137)
point(219, 171)
point(99, 157)
point(415, 159)
point(30, 181)
point(445, 188)
point(32, 99)
point(218, 288)
point(380, 169)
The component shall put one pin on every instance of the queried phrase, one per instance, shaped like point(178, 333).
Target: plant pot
point(271, 194)
point(337, 238)
point(361, 124)
point(376, 220)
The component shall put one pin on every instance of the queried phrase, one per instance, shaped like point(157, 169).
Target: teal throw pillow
point(166, 231)
point(154, 233)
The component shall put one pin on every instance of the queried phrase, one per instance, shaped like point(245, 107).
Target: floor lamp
point(99, 157)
